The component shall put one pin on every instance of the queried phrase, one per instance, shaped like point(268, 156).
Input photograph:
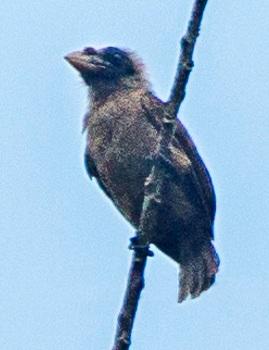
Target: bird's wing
point(198, 176)
point(92, 172)
point(199, 172)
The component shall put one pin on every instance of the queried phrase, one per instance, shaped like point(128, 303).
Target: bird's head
point(106, 65)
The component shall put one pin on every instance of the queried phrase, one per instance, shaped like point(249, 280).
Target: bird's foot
point(142, 249)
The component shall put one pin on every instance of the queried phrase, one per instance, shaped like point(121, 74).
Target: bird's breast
point(121, 146)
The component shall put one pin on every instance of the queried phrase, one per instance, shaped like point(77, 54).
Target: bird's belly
point(121, 152)
point(125, 177)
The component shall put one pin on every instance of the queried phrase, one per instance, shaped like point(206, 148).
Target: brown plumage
point(123, 124)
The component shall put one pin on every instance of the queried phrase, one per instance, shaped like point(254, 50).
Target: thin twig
point(126, 317)
point(156, 182)
point(185, 63)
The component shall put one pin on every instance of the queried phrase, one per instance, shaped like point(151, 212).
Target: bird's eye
point(113, 54)
point(118, 59)
point(117, 56)
point(115, 59)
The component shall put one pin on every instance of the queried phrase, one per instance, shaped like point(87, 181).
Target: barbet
point(123, 124)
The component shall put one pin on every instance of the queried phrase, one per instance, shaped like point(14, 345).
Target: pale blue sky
point(63, 246)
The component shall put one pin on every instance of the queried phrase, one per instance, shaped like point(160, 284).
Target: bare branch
point(185, 63)
point(155, 184)
point(134, 288)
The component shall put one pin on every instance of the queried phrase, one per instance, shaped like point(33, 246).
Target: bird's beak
point(78, 60)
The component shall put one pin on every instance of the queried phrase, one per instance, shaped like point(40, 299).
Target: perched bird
point(123, 124)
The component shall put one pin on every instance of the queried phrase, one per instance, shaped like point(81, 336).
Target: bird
point(123, 123)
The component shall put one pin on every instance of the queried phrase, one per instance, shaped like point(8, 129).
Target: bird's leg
point(137, 244)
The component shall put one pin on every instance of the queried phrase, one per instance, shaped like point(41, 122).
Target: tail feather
point(197, 272)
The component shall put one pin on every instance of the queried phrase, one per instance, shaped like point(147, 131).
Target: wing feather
point(198, 177)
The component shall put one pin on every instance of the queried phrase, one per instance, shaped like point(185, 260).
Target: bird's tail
point(197, 271)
